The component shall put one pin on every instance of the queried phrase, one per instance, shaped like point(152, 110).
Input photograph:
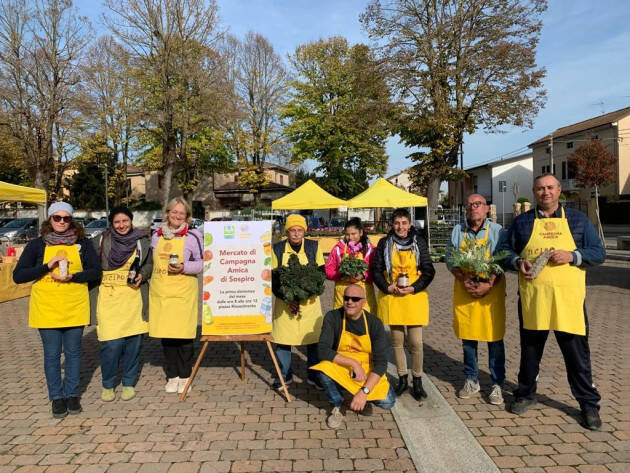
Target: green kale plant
point(298, 281)
point(352, 266)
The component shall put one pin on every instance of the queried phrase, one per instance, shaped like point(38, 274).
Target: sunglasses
point(59, 218)
point(352, 298)
point(474, 205)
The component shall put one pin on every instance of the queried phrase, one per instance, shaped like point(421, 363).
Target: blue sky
point(584, 46)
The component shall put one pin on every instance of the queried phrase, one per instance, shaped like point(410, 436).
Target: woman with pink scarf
point(354, 244)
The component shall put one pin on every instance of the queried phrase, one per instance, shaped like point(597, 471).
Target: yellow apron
point(555, 299)
point(172, 297)
point(119, 306)
point(340, 288)
point(305, 327)
point(359, 348)
point(60, 304)
point(479, 319)
point(410, 309)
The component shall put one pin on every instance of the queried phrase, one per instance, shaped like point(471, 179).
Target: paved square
point(227, 425)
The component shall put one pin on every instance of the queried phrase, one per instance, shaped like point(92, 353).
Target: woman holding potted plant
point(349, 263)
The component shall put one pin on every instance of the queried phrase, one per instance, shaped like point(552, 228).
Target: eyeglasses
point(59, 218)
point(352, 298)
point(475, 205)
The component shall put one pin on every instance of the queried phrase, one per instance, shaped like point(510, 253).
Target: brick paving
point(228, 425)
point(547, 438)
point(225, 424)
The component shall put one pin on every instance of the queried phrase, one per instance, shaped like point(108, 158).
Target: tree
point(259, 81)
point(172, 64)
point(457, 66)
point(108, 109)
point(339, 114)
point(593, 166)
point(41, 46)
point(86, 187)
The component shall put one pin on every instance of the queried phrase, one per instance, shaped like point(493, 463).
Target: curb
point(437, 439)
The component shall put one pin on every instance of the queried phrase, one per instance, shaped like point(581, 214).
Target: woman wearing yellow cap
point(296, 322)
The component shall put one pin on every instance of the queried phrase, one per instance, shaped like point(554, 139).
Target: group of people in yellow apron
point(62, 263)
point(117, 265)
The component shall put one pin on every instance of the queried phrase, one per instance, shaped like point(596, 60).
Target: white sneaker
point(496, 395)
point(335, 419)
point(171, 385)
point(182, 385)
point(470, 388)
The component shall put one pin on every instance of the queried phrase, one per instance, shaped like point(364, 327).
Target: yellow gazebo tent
point(385, 194)
point(308, 196)
point(13, 192)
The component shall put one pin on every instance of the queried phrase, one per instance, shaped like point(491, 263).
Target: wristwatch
point(365, 390)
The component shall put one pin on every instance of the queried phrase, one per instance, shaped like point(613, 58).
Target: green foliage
point(339, 114)
point(298, 281)
point(521, 200)
point(473, 259)
point(351, 266)
point(87, 187)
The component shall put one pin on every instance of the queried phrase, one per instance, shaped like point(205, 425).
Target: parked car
point(95, 228)
point(20, 229)
point(84, 220)
point(196, 223)
point(157, 223)
point(4, 221)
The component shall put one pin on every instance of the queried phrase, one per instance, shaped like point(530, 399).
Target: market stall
point(14, 193)
point(309, 196)
point(385, 194)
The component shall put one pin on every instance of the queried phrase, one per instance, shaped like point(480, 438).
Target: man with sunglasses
point(353, 347)
point(479, 303)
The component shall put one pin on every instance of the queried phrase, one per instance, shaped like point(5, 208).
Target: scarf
point(69, 237)
point(168, 234)
point(121, 249)
point(402, 244)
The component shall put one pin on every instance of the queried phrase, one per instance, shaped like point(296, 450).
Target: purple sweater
point(193, 251)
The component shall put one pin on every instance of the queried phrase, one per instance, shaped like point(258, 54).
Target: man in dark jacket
point(552, 298)
point(353, 347)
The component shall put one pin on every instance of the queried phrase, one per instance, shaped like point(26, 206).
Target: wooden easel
point(263, 337)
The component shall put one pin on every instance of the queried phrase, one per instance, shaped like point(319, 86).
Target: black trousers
point(577, 360)
point(178, 357)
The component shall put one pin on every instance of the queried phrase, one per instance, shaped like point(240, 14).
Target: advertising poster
point(236, 278)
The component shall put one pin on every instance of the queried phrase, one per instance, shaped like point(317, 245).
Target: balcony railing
point(569, 184)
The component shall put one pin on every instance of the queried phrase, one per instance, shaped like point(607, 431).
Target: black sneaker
point(316, 383)
point(521, 404)
point(590, 419)
point(74, 406)
point(59, 408)
point(277, 386)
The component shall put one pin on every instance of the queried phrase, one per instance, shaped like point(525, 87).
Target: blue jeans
point(332, 389)
point(496, 361)
point(54, 340)
point(283, 353)
point(127, 348)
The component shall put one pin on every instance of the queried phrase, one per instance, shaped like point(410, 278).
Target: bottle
point(402, 280)
point(173, 259)
point(63, 267)
point(133, 269)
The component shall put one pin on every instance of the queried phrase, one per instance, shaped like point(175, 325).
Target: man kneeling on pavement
point(353, 346)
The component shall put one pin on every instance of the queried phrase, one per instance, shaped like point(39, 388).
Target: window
point(548, 150)
point(569, 144)
point(281, 179)
point(564, 169)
